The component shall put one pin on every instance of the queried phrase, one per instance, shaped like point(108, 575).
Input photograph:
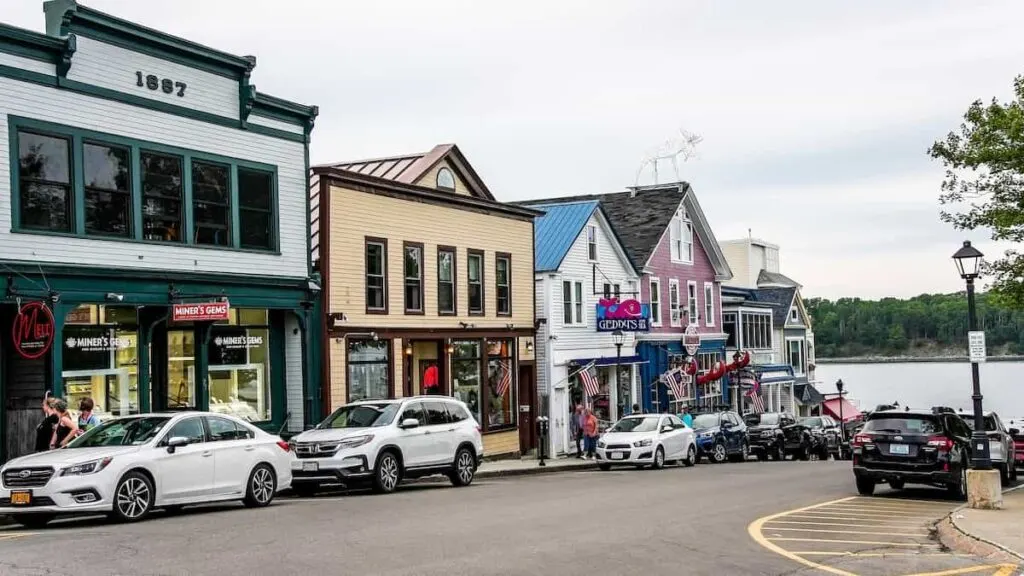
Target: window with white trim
point(655, 302)
point(592, 243)
point(794, 316)
point(691, 302)
point(797, 355)
point(572, 303)
point(681, 237)
point(709, 304)
point(757, 330)
point(675, 310)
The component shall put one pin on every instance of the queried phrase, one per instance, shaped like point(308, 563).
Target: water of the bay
point(927, 384)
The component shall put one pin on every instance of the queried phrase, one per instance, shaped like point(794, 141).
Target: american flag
point(591, 387)
point(754, 394)
point(506, 378)
point(675, 380)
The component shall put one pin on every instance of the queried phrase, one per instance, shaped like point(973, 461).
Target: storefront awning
point(612, 361)
point(850, 411)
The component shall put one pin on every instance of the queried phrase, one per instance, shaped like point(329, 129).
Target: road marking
point(915, 511)
point(877, 554)
point(14, 535)
point(845, 524)
point(867, 515)
point(872, 542)
point(1003, 570)
point(834, 516)
point(903, 534)
point(754, 530)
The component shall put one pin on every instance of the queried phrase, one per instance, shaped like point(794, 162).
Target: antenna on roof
point(683, 146)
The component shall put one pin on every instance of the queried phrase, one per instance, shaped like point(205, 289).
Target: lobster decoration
point(718, 370)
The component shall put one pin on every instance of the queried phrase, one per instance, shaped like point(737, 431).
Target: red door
point(527, 408)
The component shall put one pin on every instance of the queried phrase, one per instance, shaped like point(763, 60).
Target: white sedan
point(647, 439)
point(128, 466)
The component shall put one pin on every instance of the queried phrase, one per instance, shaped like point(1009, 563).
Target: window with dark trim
point(108, 189)
point(503, 283)
point(413, 266)
point(255, 209)
point(44, 182)
point(475, 281)
point(500, 410)
point(211, 203)
point(445, 179)
point(446, 274)
point(162, 193)
point(376, 276)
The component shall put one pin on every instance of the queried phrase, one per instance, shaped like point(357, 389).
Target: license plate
point(616, 456)
point(310, 466)
point(21, 498)
point(899, 449)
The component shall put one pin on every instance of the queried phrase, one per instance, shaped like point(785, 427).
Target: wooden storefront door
point(527, 409)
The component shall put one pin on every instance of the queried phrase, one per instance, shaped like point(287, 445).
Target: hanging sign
point(691, 340)
point(628, 315)
point(209, 311)
point(32, 332)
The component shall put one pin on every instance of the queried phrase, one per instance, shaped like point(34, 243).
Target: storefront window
point(602, 403)
point(239, 371)
point(100, 358)
point(501, 409)
point(368, 364)
point(181, 369)
point(466, 375)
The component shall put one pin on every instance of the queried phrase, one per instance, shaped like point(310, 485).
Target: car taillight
point(941, 442)
point(284, 445)
point(862, 439)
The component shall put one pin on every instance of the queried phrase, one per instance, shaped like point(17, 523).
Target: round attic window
point(445, 179)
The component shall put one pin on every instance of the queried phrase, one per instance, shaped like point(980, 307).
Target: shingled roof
point(775, 279)
point(780, 298)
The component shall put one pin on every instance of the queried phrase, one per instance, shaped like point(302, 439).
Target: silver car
point(1000, 445)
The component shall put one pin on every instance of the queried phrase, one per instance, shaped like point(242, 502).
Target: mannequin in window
point(431, 383)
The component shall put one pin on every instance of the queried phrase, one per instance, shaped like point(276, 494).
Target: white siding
point(276, 124)
point(540, 350)
point(293, 373)
point(27, 64)
point(68, 108)
point(112, 67)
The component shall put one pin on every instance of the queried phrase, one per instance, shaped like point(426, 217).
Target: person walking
point(86, 419)
point(44, 431)
point(576, 428)
point(590, 433)
point(66, 427)
point(687, 417)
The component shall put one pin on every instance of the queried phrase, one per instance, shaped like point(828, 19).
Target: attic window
point(681, 237)
point(445, 179)
point(794, 317)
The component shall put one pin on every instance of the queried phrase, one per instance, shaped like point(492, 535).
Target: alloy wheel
point(133, 498)
point(720, 452)
point(464, 467)
point(262, 485)
point(746, 451)
point(388, 472)
point(659, 458)
point(691, 456)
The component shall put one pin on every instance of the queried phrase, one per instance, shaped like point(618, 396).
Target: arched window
point(445, 179)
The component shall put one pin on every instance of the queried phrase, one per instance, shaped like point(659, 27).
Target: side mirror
point(666, 429)
point(177, 442)
point(1014, 432)
point(409, 423)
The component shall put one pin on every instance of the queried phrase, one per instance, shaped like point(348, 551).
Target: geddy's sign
point(627, 315)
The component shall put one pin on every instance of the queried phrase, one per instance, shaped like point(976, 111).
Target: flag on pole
point(591, 387)
point(754, 394)
point(506, 378)
point(676, 381)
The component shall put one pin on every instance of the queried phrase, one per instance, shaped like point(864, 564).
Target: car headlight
point(355, 441)
point(705, 435)
point(601, 444)
point(642, 443)
point(84, 468)
point(766, 434)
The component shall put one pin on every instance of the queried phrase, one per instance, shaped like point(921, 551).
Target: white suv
point(385, 441)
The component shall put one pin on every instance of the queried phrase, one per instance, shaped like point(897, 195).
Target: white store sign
point(976, 345)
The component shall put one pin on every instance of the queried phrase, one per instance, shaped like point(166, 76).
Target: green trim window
point(83, 183)
point(44, 186)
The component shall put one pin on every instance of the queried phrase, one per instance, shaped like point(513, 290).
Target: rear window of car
point(909, 424)
point(990, 422)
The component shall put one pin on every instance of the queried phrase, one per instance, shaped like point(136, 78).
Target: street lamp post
point(618, 337)
point(842, 422)
point(968, 263)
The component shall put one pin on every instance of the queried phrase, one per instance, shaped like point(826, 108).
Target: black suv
point(915, 446)
point(721, 436)
point(827, 439)
point(777, 434)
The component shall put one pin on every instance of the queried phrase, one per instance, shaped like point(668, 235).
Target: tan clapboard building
point(428, 289)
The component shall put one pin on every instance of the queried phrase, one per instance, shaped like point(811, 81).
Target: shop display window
point(369, 363)
point(239, 369)
point(181, 369)
point(100, 358)
point(501, 383)
point(466, 375)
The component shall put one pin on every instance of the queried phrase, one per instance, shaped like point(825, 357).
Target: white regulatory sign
point(976, 345)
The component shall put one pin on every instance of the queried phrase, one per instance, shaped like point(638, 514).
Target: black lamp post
point(842, 422)
point(618, 337)
point(968, 263)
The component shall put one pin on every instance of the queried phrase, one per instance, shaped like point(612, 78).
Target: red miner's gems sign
point(201, 312)
point(32, 332)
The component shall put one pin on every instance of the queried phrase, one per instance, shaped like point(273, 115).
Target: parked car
point(647, 440)
point(913, 446)
point(826, 435)
point(1018, 448)
point(721, 436)
point(1000, 445)
point(776, 435)
point(128, 466)
point(382, 442)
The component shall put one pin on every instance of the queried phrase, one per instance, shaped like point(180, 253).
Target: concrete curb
point(996, 545)
point(5, 520)
point(538, 469)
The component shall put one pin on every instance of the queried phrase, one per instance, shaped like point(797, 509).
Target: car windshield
point(769, 419)
point(814, 422)
point(705, 421)
point(909, 424)
point(990, 422)
point(122, 432)
point(362, 416)
point(636, 424)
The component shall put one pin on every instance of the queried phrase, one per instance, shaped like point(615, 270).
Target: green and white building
point(144, 172)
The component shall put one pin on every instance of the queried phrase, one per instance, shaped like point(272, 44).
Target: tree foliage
point(984, 184)
point(929, 323)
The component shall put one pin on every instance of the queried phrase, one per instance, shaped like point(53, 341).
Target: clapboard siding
point(275, 124)
point(110, 117)
point(27, 64)
point(540, 349)
point(293, 373)
point(108, 66)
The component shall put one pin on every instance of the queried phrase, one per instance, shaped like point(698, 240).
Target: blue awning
point(612, 361)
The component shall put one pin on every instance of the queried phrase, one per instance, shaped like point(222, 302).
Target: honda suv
point(382, 442)
point(917, 447)
point(1000, 445)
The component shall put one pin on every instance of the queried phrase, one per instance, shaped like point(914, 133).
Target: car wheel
point(465, 468)
point(304, 490)
point(958, 490)
point(865, 486)
point(778, 453)
point(604, 467)
point(133, 498)
point(896, 484)
point(33, 520)
point(691, 457)
point(746, 451)
point(659, 458)
point(386, 473)
point(1004, 475)
point(762, 455)
point(719, 454)
point(261, 487)
point(804, 453)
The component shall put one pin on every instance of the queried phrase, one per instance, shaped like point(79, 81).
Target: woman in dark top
point(66, 426)
point(44, 431)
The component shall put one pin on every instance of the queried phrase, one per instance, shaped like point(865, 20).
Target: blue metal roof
point(555, 232)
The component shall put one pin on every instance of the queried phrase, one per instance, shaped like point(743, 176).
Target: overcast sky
point(816, 116)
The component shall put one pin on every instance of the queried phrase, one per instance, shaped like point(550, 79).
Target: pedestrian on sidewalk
point(590, 433)
point(687, 418)
point(86, 419)
point(636, 409)
point(66, 427)
point(44, 431)
point(576, 428)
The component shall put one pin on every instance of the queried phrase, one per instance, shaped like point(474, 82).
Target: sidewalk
point(1002, 529)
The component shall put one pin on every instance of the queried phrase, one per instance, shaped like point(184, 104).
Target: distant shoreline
point(907, 359)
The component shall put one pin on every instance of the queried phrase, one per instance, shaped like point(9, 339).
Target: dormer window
point(794, 316)
point(445, 180)
point(681, 237)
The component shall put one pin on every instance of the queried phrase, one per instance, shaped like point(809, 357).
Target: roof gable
point(781, 300)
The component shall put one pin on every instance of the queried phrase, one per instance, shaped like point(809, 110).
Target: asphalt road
point(675, 521)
